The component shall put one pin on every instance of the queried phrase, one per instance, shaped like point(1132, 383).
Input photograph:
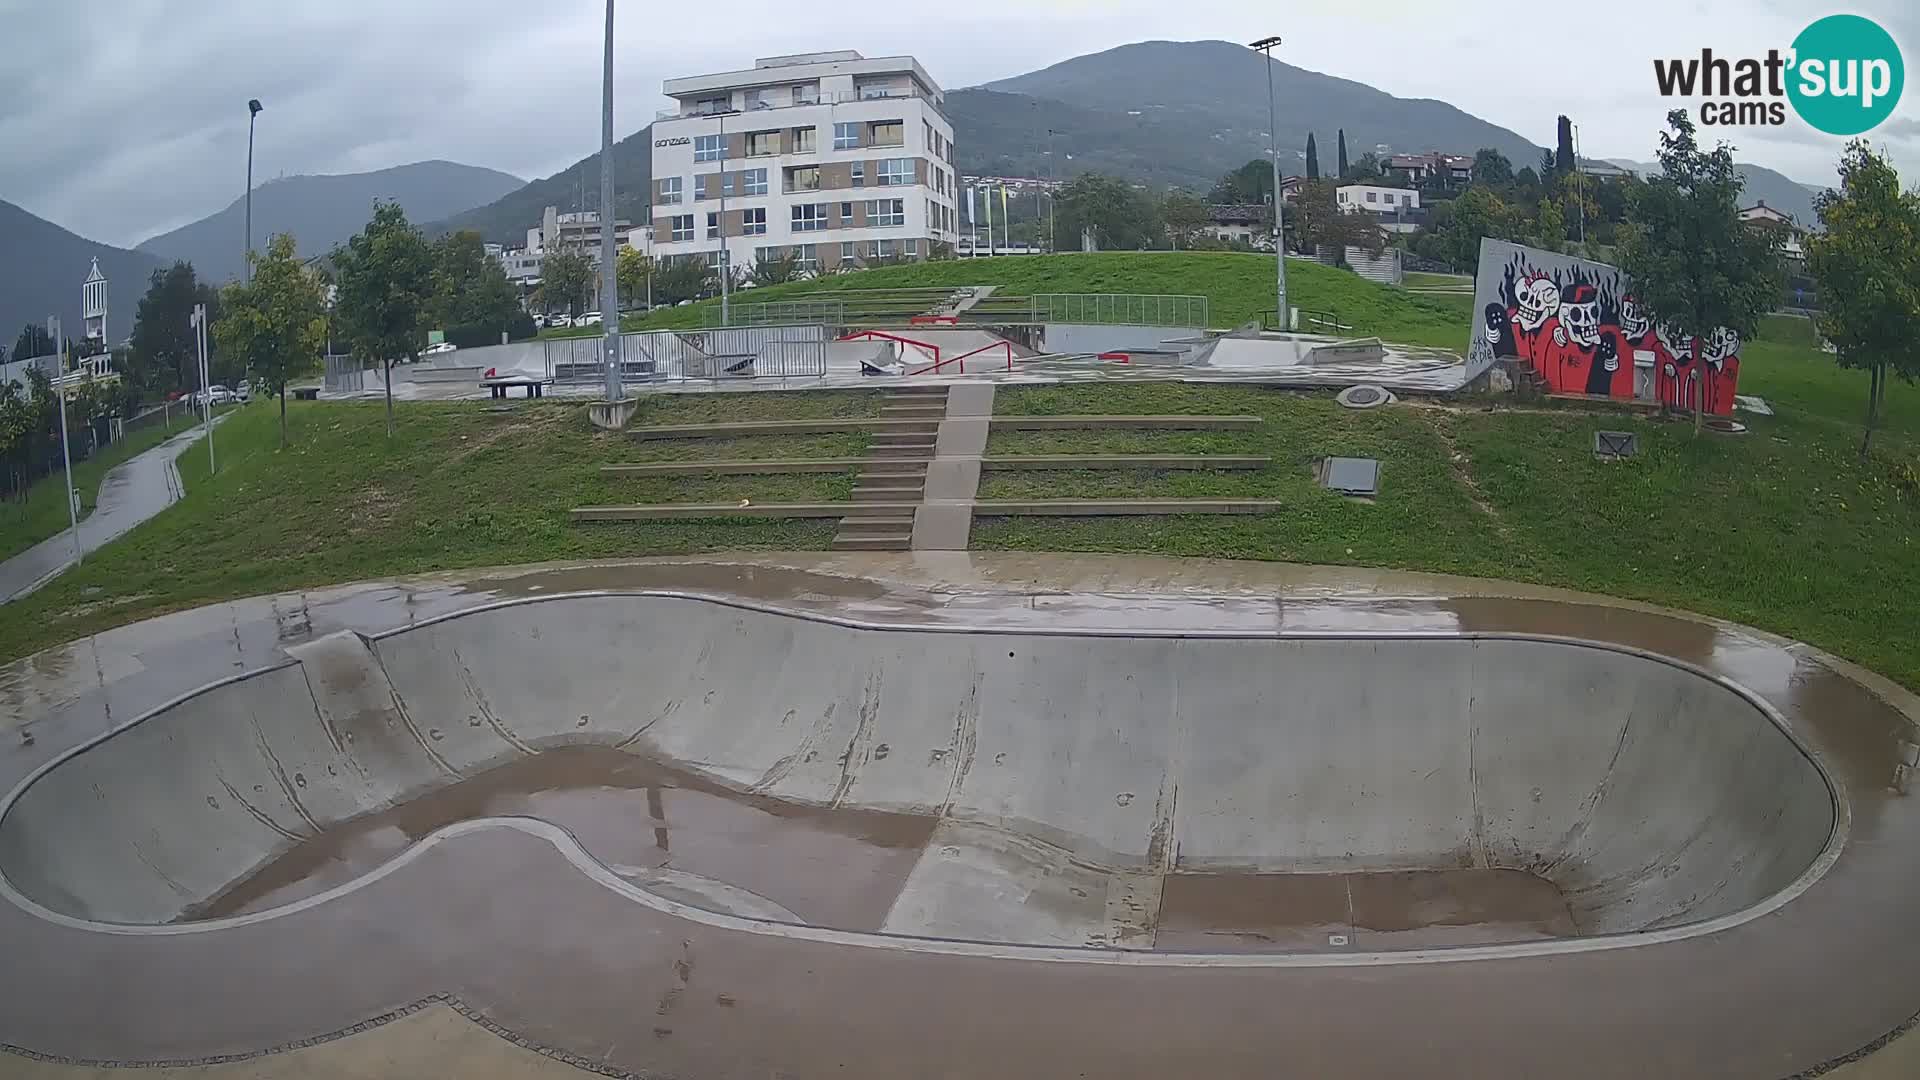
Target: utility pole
point(1580, 184)
point(1265, 48)
point(609, 257)
point(253, 110)
point(199, 322)
point(1053, 198)
point(66, 453)
point(726, 270)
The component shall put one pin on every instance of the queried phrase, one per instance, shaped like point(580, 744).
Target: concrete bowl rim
point(595, 870)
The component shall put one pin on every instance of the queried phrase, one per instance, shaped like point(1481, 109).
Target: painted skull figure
point(1538, 299)
point(1717, 346)
point(1634, 321)
point(1580, 315)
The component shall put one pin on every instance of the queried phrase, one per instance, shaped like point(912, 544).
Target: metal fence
point(1126, 309)
point(344, 375)
point(721, 353)
point(780, 313)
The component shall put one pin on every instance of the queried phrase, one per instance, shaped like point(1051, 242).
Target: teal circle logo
point(1847, 74)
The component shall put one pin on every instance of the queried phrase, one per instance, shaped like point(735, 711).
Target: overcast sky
point(124, 118)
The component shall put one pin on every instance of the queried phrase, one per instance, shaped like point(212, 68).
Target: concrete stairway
point(894, 471)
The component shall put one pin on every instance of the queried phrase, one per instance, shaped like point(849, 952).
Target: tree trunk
point(1875, 379)
point(283, 416)
point(1699, 388)
point(387, 370)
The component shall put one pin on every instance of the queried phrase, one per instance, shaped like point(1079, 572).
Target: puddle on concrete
point(661, 828)
point(1404, 909)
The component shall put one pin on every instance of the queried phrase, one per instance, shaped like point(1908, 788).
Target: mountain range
point(323, 211)
point(41, 275)
point(1763, 185)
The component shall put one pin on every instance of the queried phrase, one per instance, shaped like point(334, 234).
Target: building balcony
point(842, 97)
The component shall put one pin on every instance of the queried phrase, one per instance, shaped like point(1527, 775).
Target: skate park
point(808, 816)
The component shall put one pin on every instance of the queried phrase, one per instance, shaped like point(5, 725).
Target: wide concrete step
point(1121, 507)
point(915, 477)
point(890, 493)
point(1016, 462)
point(738, 429)
point(934, 412)
point(665, 511)
point(878, 542)
point(917, 390)
point(883, 524)
point(1171, 423)
point(902, 453)
point(731, 468)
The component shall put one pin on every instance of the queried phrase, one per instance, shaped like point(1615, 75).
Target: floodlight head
point(253, 106)
point(1265, 43)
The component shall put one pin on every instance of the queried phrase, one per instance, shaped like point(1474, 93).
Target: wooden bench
point(499, 386)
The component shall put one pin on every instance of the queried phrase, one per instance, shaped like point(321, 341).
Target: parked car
point(559, 322)
point(591, 318)
point(441, 348)
point(243, 393)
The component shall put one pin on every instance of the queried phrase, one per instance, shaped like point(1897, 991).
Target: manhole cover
point(1364, 397)
point(1351, 476)
point(1725, 426)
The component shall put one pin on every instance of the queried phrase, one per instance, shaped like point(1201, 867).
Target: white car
point(559, 322)
point(440, 348)
point(591, 318)
point(217, 394)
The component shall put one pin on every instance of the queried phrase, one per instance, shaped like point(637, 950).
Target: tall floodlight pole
point(66, 454)
point(726, 267)
point(253, 110)
point(609, 257)
point(1265, 48)
point(1053, 198)
point(199, 322)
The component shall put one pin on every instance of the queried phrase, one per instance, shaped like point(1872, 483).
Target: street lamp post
point(253, 110)
point(198, 320)
point(1265, 48)
point(609, 257)
point(1053, 199)
point(66, 453)
point(726, 267)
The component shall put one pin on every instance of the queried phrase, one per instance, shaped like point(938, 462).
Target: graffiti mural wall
point(1576, 323)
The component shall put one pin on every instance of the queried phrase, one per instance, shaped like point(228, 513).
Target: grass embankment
point(457, 485)
point(1238, 287)
point(1783, 528)
point(43, 513)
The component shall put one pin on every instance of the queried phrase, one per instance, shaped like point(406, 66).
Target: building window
point(859, 174)
point(880, 249)
point(808, 259)
point(754, 181)
point(763, 143)
point(699, 188)
point(894, 171)
point(1371, 196)
point(810, 217)
point(910, 248)
point(886, 212)
point(682, 227)
point(712, 105)
point(802, 141)
point(669, 190)
point(753, 222)
point(803, 178)
point(926, 129)
point(713, 226)
point(846, 251)
point(708, 147)
point(846, 136)
point(768, 254)
point(887, 133)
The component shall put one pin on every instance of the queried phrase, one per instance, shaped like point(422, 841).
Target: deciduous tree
point(1120, 217)
point(1185, 217)
point(633, 272)
point(472, 299)
point(164, 354)
point(33, 341)
point(1867, 261)
point(1695, 266)
point(385, 279)
point(565, 279)
point(275, 320)
point(776, 269)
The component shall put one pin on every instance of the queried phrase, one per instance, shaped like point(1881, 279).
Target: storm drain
point(1351, 475)
point(1615, 445)
point(1364, 397)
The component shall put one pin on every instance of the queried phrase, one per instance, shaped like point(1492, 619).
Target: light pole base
point(612, 415)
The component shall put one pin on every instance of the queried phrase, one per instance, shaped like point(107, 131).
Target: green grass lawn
point(1237, 286)
point(43, 513)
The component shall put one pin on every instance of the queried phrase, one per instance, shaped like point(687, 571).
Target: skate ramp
point(1069, 789)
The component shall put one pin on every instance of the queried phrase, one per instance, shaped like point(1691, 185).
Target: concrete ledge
point(1180, 423)
point(611, 415)
point(1120, 507)
point(666, 511)
point(1018, 462)
point(830, 426)
point(735, 468)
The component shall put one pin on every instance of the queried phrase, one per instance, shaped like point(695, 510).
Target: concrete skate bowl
point(1307, 796)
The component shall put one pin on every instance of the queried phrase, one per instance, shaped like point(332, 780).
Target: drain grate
point(1615, 445)
point(1351, 476)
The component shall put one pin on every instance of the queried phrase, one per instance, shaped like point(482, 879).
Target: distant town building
point(1238, 222)
point(579, 231)
point(1762, 216)
point(1417, 168)
point(93, 306)
point(833, 157)
point(1605, 170)
point(1396, 209)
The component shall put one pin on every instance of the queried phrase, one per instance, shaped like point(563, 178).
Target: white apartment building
point(1380, 200)
point(833, 155)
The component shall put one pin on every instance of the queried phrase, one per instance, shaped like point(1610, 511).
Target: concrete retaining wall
point(1650, 795)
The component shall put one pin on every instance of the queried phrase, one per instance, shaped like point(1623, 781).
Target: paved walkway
point(132, 492)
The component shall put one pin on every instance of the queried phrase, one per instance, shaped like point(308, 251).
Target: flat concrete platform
point(1111, 462)
point(1169, 422)
point(1157, 719)
point(732, 468)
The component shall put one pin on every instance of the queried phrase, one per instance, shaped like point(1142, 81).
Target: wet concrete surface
point(837, 868)
point(514, 929)
point(1385, 910)
point(130, 493)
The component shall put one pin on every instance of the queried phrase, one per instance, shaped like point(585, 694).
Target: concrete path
point(131, 492)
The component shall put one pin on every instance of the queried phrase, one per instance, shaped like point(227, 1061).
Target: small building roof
point(94, 274)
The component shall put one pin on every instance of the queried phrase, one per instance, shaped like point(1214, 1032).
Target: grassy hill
point(1238, 288)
